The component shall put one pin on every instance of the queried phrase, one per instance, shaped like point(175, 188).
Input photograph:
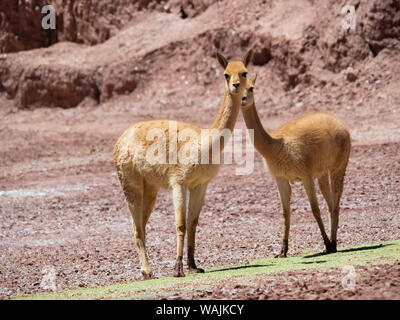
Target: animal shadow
point(378, 246)
point(312, 262)
point(241, 267)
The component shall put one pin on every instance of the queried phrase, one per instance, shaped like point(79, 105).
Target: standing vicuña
point(316, 145)
point(141, 180)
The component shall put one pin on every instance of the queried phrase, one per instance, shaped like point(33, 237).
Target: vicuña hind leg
point(327, 193)
point(134, 195)
point(195, 203)
point(179, 195)
point(310, 189)
point(285, 192)
point(337, 189)
point(149, 199)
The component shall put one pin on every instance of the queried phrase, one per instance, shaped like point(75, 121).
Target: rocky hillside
point(103, 49)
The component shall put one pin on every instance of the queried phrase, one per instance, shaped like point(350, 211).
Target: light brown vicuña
point(141, 180)
point(316, 145)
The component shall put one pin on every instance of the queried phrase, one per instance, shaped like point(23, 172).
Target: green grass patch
point(387, 252)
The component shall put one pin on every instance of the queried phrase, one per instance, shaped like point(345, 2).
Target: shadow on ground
point(351, 250)
point(311, 262)
point(241, 267)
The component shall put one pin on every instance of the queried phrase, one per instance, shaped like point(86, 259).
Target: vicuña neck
point(263, 142)
point(228, 112)
point(227, 116)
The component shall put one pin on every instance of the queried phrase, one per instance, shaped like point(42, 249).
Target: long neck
point(263, 142)
point(226, 118)
point(228, 112)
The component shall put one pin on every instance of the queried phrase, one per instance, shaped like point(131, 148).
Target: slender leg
point(310, 189)
point(328, 196)
point(337, 189)
point(195, 203)
point(179, 195)
point(133, 189)
point(285, 192)
point(326, 191)
point(149, 199)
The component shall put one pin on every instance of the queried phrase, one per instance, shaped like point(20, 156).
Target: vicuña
point(141, 180)
point(314, 146)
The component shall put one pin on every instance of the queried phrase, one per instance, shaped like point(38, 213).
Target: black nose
point(244, 98)
point(236, 85)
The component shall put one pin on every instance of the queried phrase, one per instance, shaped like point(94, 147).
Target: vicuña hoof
point(328, 250)
point(281, 255)
point(179, 269)
point(196, 270)
point(333, 246)
point(147, 275)
point(179, 274)
point(328, 247)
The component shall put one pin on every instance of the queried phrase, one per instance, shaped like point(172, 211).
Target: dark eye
point(244, 74)
point(251, 89)
point(226, 76)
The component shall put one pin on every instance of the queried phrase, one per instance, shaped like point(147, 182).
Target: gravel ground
point(62, 207)
point(378, 282)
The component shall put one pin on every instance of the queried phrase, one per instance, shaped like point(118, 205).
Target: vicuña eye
point(226, 76)
point(244, 74)
point(251, 89)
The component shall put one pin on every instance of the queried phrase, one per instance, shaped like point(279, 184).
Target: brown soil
point(378, 283)
point(60, 200)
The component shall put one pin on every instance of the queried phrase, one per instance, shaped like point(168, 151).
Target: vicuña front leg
point(285, 192)
point(195, 203)
point(310, 189)
point(179, 195)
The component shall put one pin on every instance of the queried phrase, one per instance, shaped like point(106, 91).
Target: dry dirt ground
point(378, 282)
point(61, 203)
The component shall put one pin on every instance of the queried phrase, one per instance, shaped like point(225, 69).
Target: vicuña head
point(248, 93)
point(235, 72)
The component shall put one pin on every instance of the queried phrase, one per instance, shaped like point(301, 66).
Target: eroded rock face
point(380, 25)
point(188, 8)
point(89, 21)
point(120, 79)
point(48, 86)
point(61, 87)
point(320, 44)
point(21, 26)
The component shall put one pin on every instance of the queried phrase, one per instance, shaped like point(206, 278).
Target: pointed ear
point(222, 60)
point(253, 80)
point(247, 57)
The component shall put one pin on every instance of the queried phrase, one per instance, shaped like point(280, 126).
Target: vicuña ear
point(247, 57)
point(253, 80)
point(222, 60)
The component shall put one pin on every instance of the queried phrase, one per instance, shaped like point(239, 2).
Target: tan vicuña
point(316, 145)
point(141, 180)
